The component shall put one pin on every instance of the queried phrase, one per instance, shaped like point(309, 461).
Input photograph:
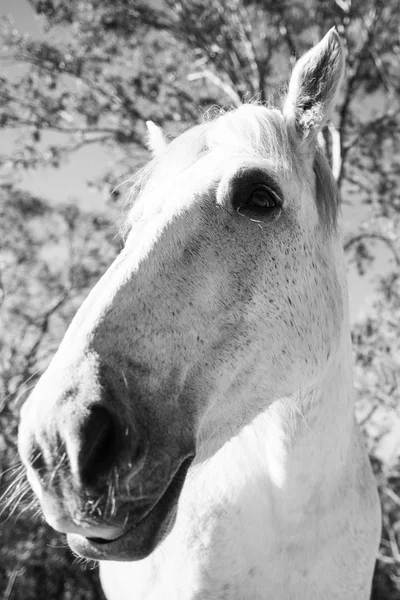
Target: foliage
point(97, 74)
point(34, 564)
point(49, 258)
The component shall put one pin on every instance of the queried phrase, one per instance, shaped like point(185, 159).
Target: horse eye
point(262, 198)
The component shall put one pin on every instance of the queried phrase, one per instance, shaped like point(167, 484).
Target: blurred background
point(78, 80)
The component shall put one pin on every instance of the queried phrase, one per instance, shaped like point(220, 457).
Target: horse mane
point(327, 192)
point(251, 129)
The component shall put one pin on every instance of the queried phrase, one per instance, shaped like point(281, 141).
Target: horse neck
point(306, 442)
point(298, 450)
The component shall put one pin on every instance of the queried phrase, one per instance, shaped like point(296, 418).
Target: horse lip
point(102, 543)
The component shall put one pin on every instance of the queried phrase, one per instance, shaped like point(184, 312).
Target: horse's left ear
point(313, 86)
point(155, 138)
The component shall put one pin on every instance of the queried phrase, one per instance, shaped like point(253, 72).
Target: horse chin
point(139, 539)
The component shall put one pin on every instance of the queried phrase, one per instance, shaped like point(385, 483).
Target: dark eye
point(262, 198)
point(252, 192)
point(261, 202)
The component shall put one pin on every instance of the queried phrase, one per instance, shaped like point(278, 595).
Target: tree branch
point(375, 236)
point(284, 31)
point(110, 95)
point(352, 83)
point(31, 356)
point(61, 129)
point(388, 118)
point(215, 80)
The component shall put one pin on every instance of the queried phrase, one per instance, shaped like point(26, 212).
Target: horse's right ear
point(314, 85)
point(156, 141)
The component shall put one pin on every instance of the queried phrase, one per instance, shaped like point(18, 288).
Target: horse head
point(228, 295)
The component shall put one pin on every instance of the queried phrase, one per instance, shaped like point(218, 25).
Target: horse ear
point(313, 86)
point(156, 141)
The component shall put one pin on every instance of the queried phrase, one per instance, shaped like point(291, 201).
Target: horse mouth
point(141, 537)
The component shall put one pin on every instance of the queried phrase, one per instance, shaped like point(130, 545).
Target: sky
point(22, 14)
point(69, 182)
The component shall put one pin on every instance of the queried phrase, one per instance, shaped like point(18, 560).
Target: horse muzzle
point(99, 477)
point(140, 535)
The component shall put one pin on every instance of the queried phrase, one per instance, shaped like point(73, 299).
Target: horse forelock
point(255, 130)
point(250, 130)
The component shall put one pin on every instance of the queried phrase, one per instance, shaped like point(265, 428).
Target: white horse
point(195, 430)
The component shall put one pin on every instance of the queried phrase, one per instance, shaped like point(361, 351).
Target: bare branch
point(344, 5)
point(368, 127)
point(391, 494)
point(215, 80)
point(285, 31)
point(369, 414)
point(92, 85)
point(120, 133)
point(85, 142)
point(375, 236)
point(31, 355)
point(354, 80)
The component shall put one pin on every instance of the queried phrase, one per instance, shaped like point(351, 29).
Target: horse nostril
point(36, 459)
point(100, 445)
